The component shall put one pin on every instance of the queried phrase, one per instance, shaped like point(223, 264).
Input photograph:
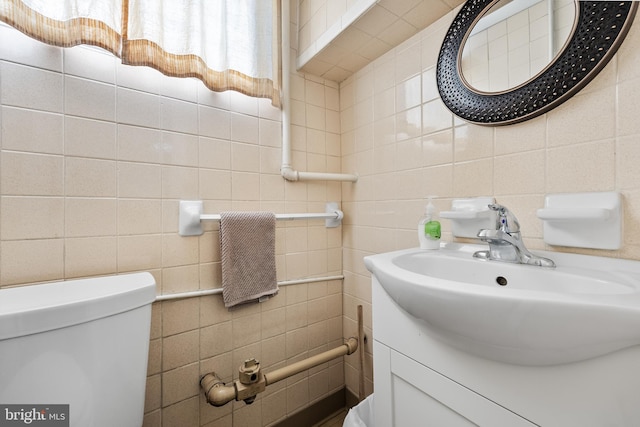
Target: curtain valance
point(228, 44)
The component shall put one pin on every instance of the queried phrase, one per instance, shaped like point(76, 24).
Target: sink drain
point(502, 281)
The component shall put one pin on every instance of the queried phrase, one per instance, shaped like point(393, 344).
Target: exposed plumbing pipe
point(252, 381)
point(280, 374)
point(286, 169)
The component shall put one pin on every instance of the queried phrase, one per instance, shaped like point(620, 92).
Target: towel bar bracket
point(190, 217)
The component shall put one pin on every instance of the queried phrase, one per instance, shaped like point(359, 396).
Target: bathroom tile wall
point(316, 16)
point(94, 159)
point(398, 135)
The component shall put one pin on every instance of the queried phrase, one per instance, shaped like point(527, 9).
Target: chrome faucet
point(505, 241)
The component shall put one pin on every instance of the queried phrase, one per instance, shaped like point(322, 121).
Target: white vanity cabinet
point(420, 381)
point(411, 394)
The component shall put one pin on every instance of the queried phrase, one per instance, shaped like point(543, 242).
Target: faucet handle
point(507, 221)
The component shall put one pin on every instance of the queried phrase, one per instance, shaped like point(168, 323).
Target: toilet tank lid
point(31, 309)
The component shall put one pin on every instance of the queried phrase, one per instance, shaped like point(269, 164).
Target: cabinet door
point(410, 394)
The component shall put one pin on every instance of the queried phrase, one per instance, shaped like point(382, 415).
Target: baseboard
point(319, 411)
point(351, 399)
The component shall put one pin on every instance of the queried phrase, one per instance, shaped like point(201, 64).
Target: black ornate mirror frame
point(601, 27)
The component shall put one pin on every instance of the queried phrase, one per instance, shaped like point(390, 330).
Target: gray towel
point(248, 242)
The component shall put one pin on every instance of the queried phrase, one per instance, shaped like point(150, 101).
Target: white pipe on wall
point(287, 171)
point(218, 291)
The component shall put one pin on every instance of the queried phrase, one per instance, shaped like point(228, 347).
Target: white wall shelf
point(468, 216)
point(583, 220)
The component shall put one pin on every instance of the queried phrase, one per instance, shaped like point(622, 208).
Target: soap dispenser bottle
point(429, 228)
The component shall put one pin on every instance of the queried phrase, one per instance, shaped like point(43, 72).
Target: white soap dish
point(583, 220)
point(468, 216)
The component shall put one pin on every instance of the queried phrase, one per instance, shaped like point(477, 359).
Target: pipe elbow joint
point(216, 392)
point(289, 174)
point(352, 345)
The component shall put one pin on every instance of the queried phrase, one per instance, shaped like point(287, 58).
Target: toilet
point(82, 343)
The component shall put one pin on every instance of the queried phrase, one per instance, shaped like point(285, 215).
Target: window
point(228, 44)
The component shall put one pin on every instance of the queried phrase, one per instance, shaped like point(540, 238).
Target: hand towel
point(248, 241)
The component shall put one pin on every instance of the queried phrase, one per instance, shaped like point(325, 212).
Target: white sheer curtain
point(228, 44)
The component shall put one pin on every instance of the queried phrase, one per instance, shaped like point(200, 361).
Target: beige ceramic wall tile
point(274, 407)
point(627, 158)
point(139, 217)
point(136, 180)
point(145, 80)
point(89, 256)
point(473, 178)
point(179, 350)
point(628, 106)
point(180, 279)
point(29, 51)
point(154, 364)
point(214, 184)
point(214, 122)
point(83, 61)
point(215, 340)
point(89, 138)
point(587, 117)
point(525, 136)
point(90, 177)
point(179, 183)
point(90, 217)
point(20, 134)
point(31, 217)
point(435, 117)
point(30, 87)
point(214, 153)
point(472, 142)
point(581, 167)
point(408, 62)
point(437, 148)
point(245, 157)
point(137, 108)
point(179, 116)
point(408, 93)
point(18, 257)
point(244, 128)
point(180, 316)
point(245, 186)
point(139, 252)
point(139, 144)
point(409, 123)
point(179, 149)
point(89, 99)
point(628, 65)
point(246, 330)
point(177, 384)
point(297, 395)
point(520, 173)
point(431, 48)
point(270, 132)
point(154, 394)
point(25, 174)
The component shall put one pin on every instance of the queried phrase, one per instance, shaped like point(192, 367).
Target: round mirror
point(514, 41)
point(513, 77)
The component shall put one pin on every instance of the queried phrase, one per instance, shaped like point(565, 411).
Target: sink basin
point(586, 307)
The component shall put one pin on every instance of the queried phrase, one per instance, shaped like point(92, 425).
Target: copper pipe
point(279, 374)
point(218, 393)
point(361, 392)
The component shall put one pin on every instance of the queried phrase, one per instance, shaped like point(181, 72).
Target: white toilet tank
point(82, 343)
